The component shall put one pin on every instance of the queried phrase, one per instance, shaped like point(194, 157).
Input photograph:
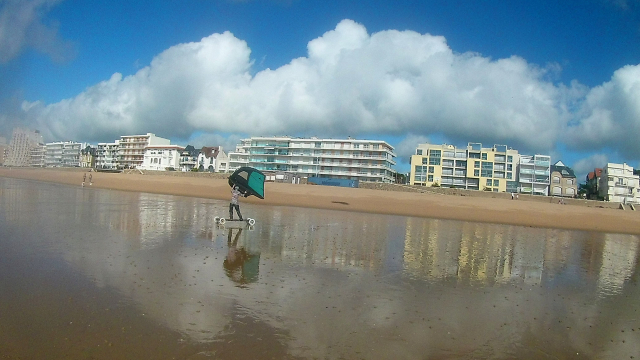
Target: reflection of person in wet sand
point(90, 179)
point(240, 265)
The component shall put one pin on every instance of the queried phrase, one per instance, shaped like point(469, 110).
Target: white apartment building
point(63, 154)
point(618, 184)
point(132, 148)
point(38, 154)
point(22, 141)
point(534, 174)
point(107, 155)
point(161, 157)
point(473, 167)
point(363, 160)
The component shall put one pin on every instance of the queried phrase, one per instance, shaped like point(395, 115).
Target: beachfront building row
point(362, 160)
point(474, 167)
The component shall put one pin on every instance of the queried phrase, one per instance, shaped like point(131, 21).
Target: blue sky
point(558, 78)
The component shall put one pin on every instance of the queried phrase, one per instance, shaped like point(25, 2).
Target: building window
point(425, 161)
point(569, 181)
point(509, 158)
point(430, 178)
point(556, 180)
point(496, 182)
point(509, 175)
point(431, 169)
point(486, 173)
point(476, 172)
point(488, 182)
point(476, 165)
point(484, 156)
point(434, 153)
point(473, 155)
point(418, 152)
point(434, 161)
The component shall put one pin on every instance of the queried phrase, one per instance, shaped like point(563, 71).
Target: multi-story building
point(473, 167)
point(38, 154)
point(534, 174)
point(188, 158)
point(363, 160)
point(619, 184)
point(4, 150)
point(107, 155)
point(212, 159)
point(161, 157)
point(132, 148)
point(88, 157)
point(563, 181)
point(22, 141)
point(63, 154)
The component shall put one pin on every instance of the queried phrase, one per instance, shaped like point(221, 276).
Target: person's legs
point(238, 211)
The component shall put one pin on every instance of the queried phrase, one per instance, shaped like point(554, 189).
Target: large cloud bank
point(352, 83)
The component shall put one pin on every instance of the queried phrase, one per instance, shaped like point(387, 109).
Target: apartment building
point(534, 173)
point(363, 160)
point(619, 184)
point(473, 167)
point(38, 154)
point(563, 181)
point(107, 155)
point(161, 157)
point(22, 141)
point(132, 148)
point(63, 154)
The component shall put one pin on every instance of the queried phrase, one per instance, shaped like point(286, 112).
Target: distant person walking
point(84, 178)
point(235, 193)
point(90, 179)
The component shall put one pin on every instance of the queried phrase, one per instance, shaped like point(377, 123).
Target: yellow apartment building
point(473, 167)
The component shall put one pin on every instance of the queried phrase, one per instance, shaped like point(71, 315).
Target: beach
point(426, 205)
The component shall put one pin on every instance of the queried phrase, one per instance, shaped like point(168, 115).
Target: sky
point(559, 78)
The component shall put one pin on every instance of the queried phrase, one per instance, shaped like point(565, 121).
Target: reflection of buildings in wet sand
point(619, 256)
point(473, 252)
point(305, 237)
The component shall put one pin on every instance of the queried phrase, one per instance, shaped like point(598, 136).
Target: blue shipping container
point(332, 182)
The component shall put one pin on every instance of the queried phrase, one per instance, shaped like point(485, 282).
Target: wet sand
point(95, 274)
point(426, 205)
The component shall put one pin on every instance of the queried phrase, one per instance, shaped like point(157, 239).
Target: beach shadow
point(340, 202)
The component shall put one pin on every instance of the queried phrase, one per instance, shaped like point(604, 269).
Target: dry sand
point(429, 205)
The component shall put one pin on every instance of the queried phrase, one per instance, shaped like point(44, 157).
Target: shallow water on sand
point(99, 274)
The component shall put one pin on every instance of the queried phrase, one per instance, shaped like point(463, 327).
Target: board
point(223, 221)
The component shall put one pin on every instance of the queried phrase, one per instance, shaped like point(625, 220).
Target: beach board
point(234, 222)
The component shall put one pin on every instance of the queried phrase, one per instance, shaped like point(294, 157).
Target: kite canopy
point(249, 180)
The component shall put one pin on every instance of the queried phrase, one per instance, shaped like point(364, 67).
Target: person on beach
point(84, 178)
point(90, 179)
point(235, 193)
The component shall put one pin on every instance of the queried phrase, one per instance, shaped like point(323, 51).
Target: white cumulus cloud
point(352, 83)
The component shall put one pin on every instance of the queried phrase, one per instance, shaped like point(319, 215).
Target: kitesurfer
point(235, 193)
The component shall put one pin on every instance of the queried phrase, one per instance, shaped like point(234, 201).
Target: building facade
point(131, 149)
point(534, 173)
point(107, 155)
point(88, 157)
point(22, 142)
point(212, 159)
point(363, 160)
point(38, 154)
point(188, 158)
point(619, 184)
point(473, 167)
point(161, 157)
point(63, 154)
point(563, 181)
